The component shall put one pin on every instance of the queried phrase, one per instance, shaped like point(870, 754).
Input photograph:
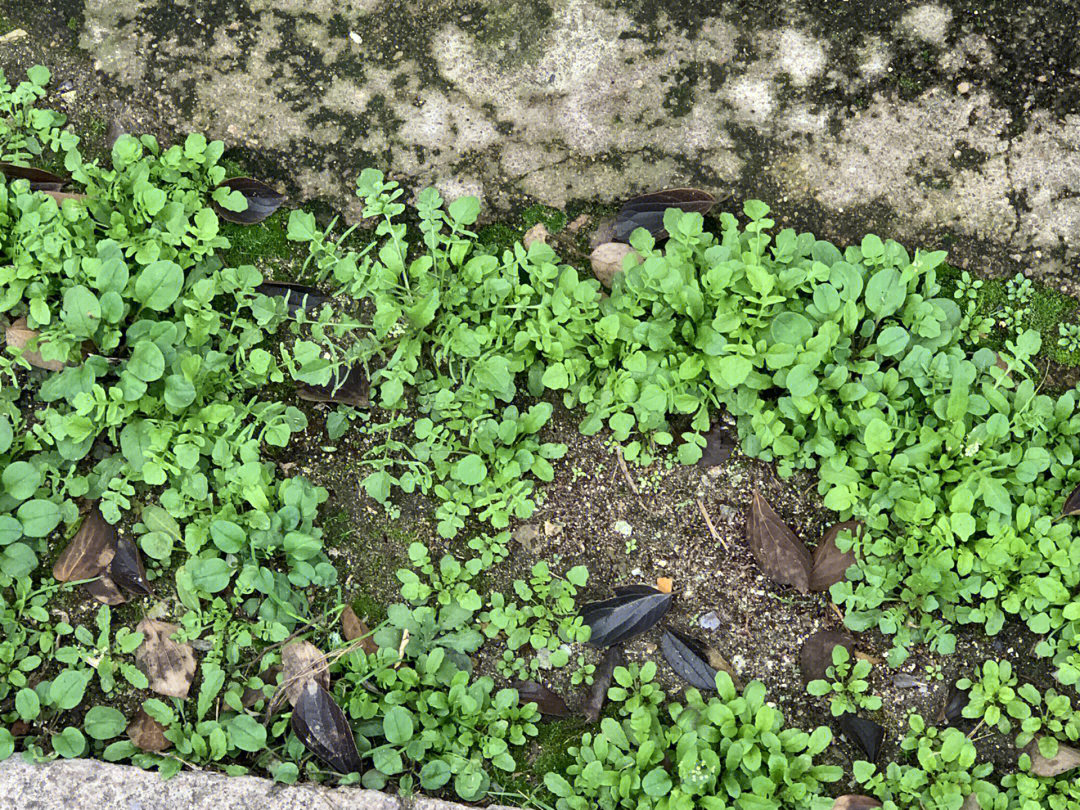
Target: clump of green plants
point(941, 775)
point(845, 684)
point(697, 753)
point(1070, 337)
point(992, 696)
point(545, 620)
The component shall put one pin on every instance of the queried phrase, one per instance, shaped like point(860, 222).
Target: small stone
point(623, 528)
point(902, 681)
point(355, 37)
point(13, 35)
point(69, 96)
point(727, 512)
point(537, 233)
point(577, 223)
point(543, 658)
point(963, 88)
point(607, 260)
point(649, 648)
point(710, 621)
point(552, 529)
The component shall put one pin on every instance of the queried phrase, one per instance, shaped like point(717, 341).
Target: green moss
point(554, 219)
point(549, 752)
point(498, 237)
point(262, 245)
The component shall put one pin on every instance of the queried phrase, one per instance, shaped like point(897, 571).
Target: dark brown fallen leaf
point(353, 627)
point(20, 728)
point(853, 802)
point(815, 656)
point(322, 727)
point(719, 445)
point(147, 733)
point(169, 665)
point(1065, 760)
point(1072, 503)
point(688, 659)
point(127, 569)
point(18, 335)
point(720, 664)
point(647, 210)
point(251, 696)
point(61, 196)
point(865, 734)
point(633, 610)
point(302, 661)
point(830, 563)
point(261, 199)
point(782, 556)
point(40, 180)
point(104, 589)
point(594, 703)
point(297, 296)
point(345, 388)
point(89, 552)
point(952, 713)
point(547, 702)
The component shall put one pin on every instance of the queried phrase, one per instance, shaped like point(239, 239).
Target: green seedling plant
point(845, 684)
point(544, 620)
point(992, 696)
point(1070, 337)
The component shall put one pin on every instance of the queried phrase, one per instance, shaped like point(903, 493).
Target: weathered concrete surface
point(84, 783)
point(950, 124)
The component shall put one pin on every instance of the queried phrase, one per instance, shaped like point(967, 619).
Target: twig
point(171, 755)
point(712, 529)
point(626, 470)
point(401, 647)
point(839, 613)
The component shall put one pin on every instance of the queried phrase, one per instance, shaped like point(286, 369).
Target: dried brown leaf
point(830, 562)
point(353, 627)
point(719, 445)
point(719, 663)
point(1072, 503)
point(1065, 760)
point(547, 702)
point(261, 199)
point(324, 730)
point(89, 552)
point(647, 210)
point(18, 335)
point(816, 654)
point(61, 196)
point(853, 802)
point(105, 590)
point(594, 703)
point(782, 556)
point(169, 665)
point(40, 180)
point(127, 569)
point(147, 733)
point(664, 584)
point(302, 661)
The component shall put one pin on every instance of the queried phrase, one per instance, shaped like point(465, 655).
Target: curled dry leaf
point(302, 661)
point(105, 590)
point(127, 569)
point(345, 388)
point(1065, 760)
point(261, 199)
point(89, 552)
point(689, 659)
point(607, 261)
point(62, 196)
point(816, 654)
point(594, 703)
point(40, 180)
point(864, 734)
point(633, 610)
point(322, 727)
point(18, 335)
point(782, 556)
point(297, 296)
point(147, 733)
point(1072, 503)
point(548, 703)
point(830, 563)
point(852, 802)
point(537, 233)
point(353, 627)
point(647, 210)
point(169, 665)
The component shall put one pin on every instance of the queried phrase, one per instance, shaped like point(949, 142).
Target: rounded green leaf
point(209, 574)
point(246, 733)
point(158, 545)
point(21, 480)
point(398, 725)
point(146, 362)
point(67, 689)
point(38, 517)
point(227, 536)
point(158, 285)
point(471, 470)
point(104, 722)
point(27, 704)
point(82, 311)
point(893, 340)
point(69, 743)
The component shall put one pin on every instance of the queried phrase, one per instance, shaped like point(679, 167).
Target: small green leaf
point(104, 722)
